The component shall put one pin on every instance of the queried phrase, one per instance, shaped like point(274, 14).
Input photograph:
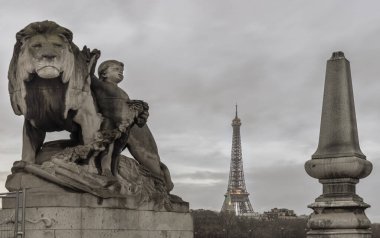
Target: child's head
point(111, 70)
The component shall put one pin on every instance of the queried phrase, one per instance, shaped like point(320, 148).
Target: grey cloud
point(201, 175)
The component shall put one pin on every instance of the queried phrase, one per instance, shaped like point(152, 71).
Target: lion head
point(46, 49)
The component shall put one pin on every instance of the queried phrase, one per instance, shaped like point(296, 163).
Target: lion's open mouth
point(48, 72)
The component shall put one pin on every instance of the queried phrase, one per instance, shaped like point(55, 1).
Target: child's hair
point(104, 66)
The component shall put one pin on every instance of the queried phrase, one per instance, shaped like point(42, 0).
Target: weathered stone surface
point(338, 134)
point(66, 222)
point(41, 234)
point(115, 219)
point(73, 199)
point(43, 193)
point(68, 233)
point(18, 181)
point(338, 162)
point(339, 233)
point(342, 167)
point(339, 220)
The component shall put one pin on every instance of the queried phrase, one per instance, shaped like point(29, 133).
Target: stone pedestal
point(91, 222)
point(55, 212)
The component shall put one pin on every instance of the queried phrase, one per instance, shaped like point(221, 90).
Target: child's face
point(114, 73)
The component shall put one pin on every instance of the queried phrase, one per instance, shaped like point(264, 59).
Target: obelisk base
point(339, 233)
point(339, 212)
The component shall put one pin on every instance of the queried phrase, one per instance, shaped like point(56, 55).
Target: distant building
point(279, 213)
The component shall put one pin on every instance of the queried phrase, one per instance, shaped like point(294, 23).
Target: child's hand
point(142, 111)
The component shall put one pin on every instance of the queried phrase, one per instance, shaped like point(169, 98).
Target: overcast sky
point(193, 60)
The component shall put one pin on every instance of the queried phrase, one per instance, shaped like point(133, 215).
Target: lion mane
point(74, 67)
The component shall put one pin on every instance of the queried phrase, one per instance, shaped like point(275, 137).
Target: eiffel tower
point(236, 198)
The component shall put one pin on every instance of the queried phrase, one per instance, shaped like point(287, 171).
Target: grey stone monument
point(338, 162)
point(84, 186)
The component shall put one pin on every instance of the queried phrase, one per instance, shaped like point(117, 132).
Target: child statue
point(116, 108)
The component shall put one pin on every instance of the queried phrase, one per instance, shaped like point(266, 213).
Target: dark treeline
point(210, 224)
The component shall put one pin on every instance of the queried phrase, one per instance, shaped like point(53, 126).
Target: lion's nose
point(49, 56)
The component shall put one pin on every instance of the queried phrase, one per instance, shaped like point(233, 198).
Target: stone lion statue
point(49, 84)
point(52, 83)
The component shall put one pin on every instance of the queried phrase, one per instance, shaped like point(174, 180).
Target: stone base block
point(340, 219)
point(339, 233)
point(41, 193)
point(85, 222)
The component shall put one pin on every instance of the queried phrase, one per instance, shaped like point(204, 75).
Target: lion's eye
point(37, 45)
point(57, 45)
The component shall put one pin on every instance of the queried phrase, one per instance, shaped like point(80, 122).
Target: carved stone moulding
point(42, 193)
point(341, 167)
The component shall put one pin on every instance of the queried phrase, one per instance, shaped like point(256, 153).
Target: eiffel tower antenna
point(236, 198)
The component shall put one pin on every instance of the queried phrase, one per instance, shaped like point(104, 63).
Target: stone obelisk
point(338, 162)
